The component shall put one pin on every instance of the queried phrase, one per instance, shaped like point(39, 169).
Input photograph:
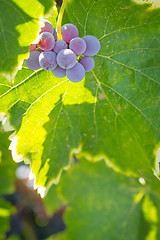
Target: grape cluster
point(69, 57)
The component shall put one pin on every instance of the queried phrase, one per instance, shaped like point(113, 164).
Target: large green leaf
point(19, 25)
point(113, 113)
point(103, 204)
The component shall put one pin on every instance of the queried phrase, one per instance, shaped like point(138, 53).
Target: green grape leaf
point(14, 238)
point(52, 201)
point(103, 204)
point(112, 114)
point(5, 211)
point(19, 25)
point(7, 176)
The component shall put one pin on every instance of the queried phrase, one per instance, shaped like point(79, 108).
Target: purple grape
point(88, 63)
point(33, 61)
point(47, 60)
point(32, 47)
point(76, 73)
point(66, 58)
point(60, 45)
point(59, 72)
point(69, 31)
point(93, 45)
point(77, 45)
point(46, 41)
point(46, 26)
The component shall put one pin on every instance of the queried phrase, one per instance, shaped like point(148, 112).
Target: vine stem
point(59, 35)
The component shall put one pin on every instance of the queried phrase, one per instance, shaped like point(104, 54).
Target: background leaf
point(7, 176)
point(103, 204)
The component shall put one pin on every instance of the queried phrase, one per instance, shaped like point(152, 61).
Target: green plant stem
point(59, 35)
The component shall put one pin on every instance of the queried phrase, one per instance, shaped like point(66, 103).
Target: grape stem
point(59, 35)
